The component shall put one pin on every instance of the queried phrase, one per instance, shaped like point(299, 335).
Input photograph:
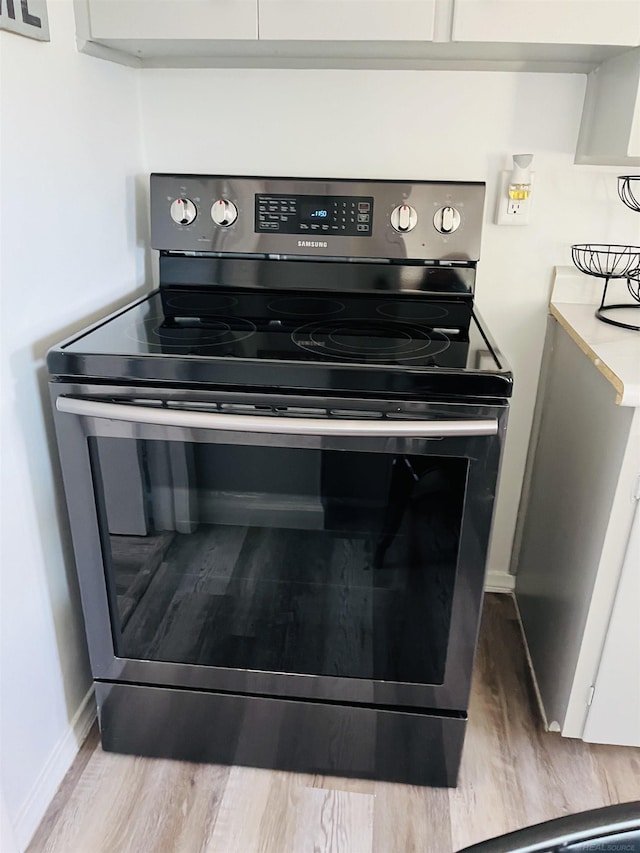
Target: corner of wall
point(53, 772)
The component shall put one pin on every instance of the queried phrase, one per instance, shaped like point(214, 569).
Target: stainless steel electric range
point(280, 470)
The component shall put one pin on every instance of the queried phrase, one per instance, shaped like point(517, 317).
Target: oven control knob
point(446, 220)
point(183, 211)
point(224, 212)
point(404, 218)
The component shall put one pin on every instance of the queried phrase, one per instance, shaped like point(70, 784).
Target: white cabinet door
point(595, 22)
point(172, 19)
point(614, 715)
point(347, 20)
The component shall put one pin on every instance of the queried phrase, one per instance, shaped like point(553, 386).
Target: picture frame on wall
point(25, 18)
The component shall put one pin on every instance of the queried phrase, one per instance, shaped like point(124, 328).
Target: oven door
point(292, 550)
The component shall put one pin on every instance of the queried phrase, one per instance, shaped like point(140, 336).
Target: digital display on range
point(314, 211)
point(339, 216)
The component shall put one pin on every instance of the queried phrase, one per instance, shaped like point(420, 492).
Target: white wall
point(74, 180)
point(413, 124)
point(70, 246)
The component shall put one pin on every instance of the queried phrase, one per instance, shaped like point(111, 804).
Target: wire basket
point(606, 261)
point(629, 191)
point(633, 285)
point(611, 261)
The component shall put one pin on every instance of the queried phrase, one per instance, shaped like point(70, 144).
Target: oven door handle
point(275, 424)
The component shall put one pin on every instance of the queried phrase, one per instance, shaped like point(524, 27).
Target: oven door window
point(288, 560)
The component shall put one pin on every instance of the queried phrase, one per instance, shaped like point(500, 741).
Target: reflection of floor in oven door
point(136, 559)
point(296, 601)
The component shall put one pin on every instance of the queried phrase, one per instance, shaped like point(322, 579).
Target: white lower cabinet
point(578, 566)
point(606, 22)
point(614, 713)
point(347, 20)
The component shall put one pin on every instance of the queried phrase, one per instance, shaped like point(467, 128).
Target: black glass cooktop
point(281, 339)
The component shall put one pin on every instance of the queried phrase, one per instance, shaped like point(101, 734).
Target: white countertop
point(614, 351)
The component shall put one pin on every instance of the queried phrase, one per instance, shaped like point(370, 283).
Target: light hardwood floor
point(513, 774)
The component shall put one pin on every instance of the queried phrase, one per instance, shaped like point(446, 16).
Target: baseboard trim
point(54, 771)
point(497, 581)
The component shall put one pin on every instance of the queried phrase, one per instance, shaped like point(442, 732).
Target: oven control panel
point(346, 216)
point(395, 220)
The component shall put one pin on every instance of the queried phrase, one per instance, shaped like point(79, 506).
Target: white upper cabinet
point(580, 22)
point(550, 35)
point(174, 20)
point(347, 20)
point(610, 127)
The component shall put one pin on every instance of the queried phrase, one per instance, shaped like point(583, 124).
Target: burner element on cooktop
point(369, 340)
point(306, 306)
point(186, 332)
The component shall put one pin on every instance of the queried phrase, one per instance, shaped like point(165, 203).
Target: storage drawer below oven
point(305, 737)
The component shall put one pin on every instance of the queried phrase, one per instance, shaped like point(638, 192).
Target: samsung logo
point(312, 244)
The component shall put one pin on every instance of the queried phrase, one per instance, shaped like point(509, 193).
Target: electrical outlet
point(510, 211)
